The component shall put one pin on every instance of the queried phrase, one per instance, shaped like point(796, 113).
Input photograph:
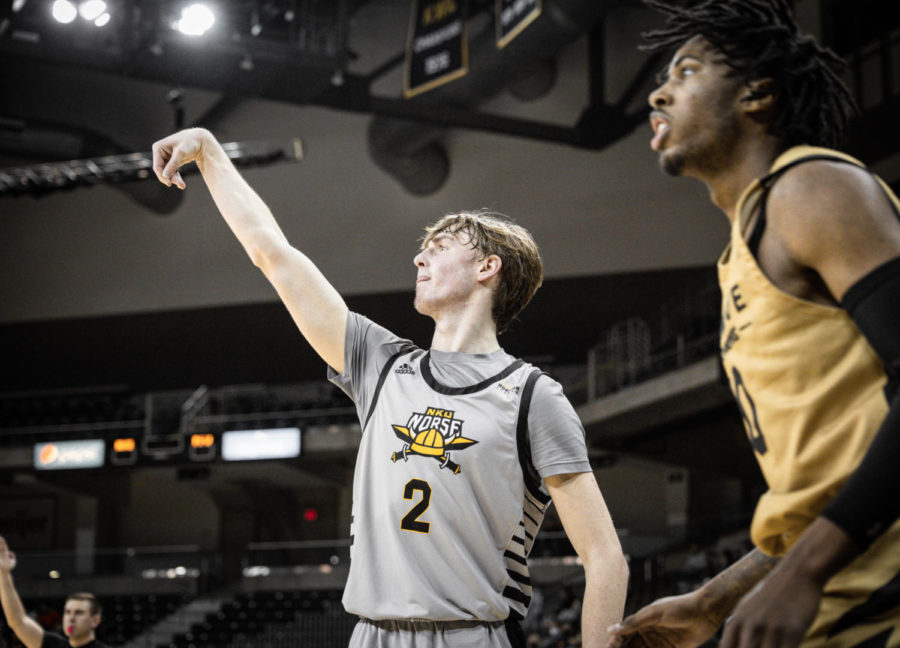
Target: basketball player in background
point(81, 613)
point(811, 331)
point(463, 445)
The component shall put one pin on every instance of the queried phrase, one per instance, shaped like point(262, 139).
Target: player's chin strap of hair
point(868, 504)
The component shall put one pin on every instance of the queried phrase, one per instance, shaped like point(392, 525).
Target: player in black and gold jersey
point(811, 331)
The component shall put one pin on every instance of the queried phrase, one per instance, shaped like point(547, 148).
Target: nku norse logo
point(432, 433)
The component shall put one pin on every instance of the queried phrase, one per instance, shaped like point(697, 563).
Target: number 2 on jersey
point(411, 521)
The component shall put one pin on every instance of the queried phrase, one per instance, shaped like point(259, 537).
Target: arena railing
point(176, 568)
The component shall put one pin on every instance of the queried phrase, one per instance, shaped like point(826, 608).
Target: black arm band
point(868, 503)
point(874, 304)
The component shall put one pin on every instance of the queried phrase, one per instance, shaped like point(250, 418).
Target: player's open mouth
point(660, 126)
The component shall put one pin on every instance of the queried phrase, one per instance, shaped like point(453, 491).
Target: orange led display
point(124, 445)
point(202, 440)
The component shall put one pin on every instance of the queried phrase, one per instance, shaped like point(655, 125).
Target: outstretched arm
point(25, 628)
point(688, 620)
point(316, 307)
point(590, 529)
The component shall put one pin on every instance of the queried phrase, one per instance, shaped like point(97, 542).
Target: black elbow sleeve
point(874, 304)
point(868, 503)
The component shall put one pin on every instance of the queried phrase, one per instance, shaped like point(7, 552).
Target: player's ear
point(758, 95)
point(489, 267)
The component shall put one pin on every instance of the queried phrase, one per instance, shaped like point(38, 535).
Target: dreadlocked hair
point(759, 39)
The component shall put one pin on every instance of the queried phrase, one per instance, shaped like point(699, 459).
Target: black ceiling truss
point(285, 63)
point(296, 51)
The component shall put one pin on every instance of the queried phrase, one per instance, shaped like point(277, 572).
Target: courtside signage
point(68, 455)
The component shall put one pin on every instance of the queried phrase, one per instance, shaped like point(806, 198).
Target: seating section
point(269, 619)
point(125, 617)
point(272, 619)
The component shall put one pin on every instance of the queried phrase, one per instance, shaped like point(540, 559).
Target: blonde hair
point(521, 270)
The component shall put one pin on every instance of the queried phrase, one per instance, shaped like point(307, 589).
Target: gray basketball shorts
point(429, 634)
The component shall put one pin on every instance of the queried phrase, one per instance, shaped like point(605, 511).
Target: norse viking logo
point(432, 433)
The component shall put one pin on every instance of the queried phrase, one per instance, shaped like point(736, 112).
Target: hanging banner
point(513, 16)
point(437, 51)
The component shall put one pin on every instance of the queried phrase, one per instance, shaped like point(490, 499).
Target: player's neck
point(750, 161)
point(470, 330)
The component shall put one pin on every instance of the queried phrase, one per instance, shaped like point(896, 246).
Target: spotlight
point(64, 11)
point(195, 20)
point(102, 20)
point(91, 10)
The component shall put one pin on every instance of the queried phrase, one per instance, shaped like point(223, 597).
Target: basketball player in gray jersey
point(463, 446)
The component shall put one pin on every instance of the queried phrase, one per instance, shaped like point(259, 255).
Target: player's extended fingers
point(743, 635)
point(618, 641)
point(643, 618)
point(168, 156)
point(177, 180)
point(162, 154)
point(625, 641)
point(636, 640)
point(729, 636)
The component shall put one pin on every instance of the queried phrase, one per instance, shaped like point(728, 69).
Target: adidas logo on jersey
point(405, 369)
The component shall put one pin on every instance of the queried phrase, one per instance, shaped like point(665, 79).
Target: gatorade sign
point(68, 455)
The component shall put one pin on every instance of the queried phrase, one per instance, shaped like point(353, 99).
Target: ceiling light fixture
point(64, 11)
point(90, 10)
point(195, 20)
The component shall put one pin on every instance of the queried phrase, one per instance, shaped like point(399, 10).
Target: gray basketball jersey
point(446, 504)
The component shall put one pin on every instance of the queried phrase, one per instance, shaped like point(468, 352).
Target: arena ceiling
point(131, 282)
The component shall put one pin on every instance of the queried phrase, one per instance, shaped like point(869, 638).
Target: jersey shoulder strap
point(529, 472)
point(768, 181)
